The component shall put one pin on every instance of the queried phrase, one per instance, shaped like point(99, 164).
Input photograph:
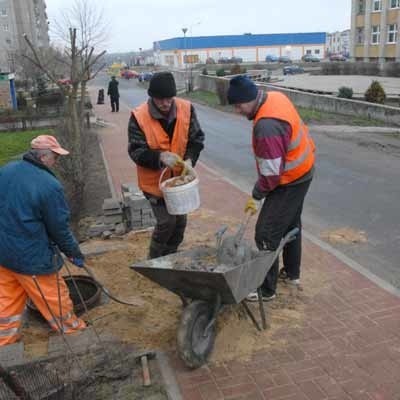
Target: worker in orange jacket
point(34, 229)
point(163, 132)
point(284, 153)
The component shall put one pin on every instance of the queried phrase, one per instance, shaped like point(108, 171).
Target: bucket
point(182, 199)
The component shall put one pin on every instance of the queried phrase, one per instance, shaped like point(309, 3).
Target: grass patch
point(326, 118)
point(201, 96)
point(12, 144)
point(308, 115)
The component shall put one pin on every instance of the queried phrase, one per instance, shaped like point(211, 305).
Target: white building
point(338, 42)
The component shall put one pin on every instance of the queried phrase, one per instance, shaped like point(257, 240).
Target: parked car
point(285, 60)
point(145, 76)
point(310, 58)
point(232, 60)
point(271, 58)
point(129, 74)
point(224, 60)
point(337, 57)
point(236, 60)
point(292, 69)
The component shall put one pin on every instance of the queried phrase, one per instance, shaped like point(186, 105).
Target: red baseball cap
point(48, 142)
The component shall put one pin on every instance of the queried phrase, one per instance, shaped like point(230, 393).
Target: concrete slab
point(12, 354)
point(78, 342)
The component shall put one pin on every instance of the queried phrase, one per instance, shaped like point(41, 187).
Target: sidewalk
point(347, 346)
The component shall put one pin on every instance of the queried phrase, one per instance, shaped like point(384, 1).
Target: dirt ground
point(153, 323)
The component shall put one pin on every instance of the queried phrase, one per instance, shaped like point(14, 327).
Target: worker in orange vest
point(34, 230)
point(284, 153)
point(163, 133)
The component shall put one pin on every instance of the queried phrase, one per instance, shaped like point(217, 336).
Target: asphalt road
point(356, 189)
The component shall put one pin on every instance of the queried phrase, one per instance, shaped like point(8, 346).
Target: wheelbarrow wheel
point(194, 343)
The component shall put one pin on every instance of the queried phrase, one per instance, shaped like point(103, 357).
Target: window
point(308, 52)
point(377, 5)
point(360, 35)
point(5, 27)
point(3, 12)
point(394, 3)
point(392, 33)
point(316, 51)
point(191, 59)
point(375, 34)
point(361, 6)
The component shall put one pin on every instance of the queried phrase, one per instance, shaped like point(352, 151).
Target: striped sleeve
point(271, 142)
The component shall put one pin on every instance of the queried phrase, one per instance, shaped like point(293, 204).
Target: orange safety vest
point(157, 139)
point(300, 155)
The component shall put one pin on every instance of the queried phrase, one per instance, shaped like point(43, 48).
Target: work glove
point(251, 206)
point(188, 167)
point(79, 262)
point(171, 160)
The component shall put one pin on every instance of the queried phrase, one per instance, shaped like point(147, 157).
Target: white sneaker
point(253, 297)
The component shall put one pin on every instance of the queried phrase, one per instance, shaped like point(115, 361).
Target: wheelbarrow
point(205, 287)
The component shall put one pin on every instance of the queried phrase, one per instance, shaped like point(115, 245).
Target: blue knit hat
point(241, 90)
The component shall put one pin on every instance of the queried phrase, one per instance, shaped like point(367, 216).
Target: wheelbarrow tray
point(232, 283)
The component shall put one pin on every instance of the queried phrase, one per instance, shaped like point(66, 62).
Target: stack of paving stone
point(132, 213)
point(137, 208)
point(112, 221)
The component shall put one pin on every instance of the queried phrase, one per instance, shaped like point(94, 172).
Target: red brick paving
point(347, 349)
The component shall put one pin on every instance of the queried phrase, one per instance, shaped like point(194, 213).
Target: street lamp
point(184, 30)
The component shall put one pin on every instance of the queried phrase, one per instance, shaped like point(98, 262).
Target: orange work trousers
point(15, 288)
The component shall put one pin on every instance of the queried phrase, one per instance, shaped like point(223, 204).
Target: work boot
point(156, 250)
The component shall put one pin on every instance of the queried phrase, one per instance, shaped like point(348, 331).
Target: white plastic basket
point(182, 199)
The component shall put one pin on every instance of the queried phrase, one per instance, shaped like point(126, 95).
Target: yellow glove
point(251, 206)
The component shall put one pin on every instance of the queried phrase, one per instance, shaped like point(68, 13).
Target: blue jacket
point(34, 219)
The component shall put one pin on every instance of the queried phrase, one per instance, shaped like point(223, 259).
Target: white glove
point(170, 159)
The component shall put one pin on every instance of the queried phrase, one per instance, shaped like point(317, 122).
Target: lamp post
point(184, 30)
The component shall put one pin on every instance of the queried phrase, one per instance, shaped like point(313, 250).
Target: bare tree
point(80, 30)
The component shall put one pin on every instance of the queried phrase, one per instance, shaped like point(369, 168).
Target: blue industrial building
point(249, 47)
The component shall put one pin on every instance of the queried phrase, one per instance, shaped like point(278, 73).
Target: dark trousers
point(114, 103)
point(280, 213)
point(169, 230)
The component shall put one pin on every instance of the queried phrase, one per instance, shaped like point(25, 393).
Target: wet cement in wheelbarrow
point(154, 322)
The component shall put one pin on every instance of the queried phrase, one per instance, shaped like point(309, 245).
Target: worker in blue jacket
point(34, 230)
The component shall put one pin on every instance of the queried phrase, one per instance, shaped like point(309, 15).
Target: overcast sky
point(134, 24)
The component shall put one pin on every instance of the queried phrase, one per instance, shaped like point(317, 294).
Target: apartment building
point(16, 18)
point(374, 30)
point(338, 42)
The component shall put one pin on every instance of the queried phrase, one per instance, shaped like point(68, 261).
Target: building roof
point(245, 40)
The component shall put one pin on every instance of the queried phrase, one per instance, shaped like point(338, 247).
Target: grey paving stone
point(12, 354)
point(79, 341)
point(111, 204)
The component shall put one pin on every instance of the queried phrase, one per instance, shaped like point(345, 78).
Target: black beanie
point(162, 85)
point(241, 90)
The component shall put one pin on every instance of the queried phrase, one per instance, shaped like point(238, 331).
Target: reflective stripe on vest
point(157, 139)
point(294, 164)
point(299, 158)
point(296, 143)
point(9, 332)
point(9, 320)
